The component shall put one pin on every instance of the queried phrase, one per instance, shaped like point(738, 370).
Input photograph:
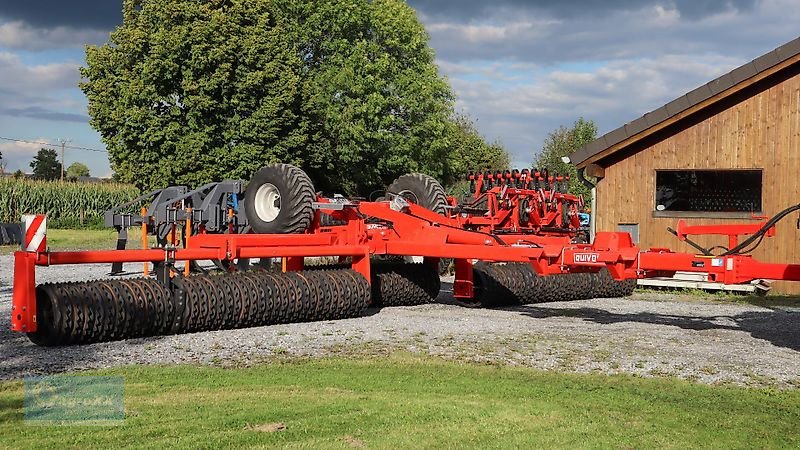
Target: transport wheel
point(278, 200)
point(421, 189)
point(326, 220)
point(425, 191)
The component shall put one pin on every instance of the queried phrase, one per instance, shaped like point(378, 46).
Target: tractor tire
point(278, 200)
point(425, 191)
point(421, 189)
point(327, 220)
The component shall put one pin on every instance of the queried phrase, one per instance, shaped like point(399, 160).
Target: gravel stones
point(646, 335)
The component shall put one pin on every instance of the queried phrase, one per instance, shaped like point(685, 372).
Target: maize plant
point(67, 204)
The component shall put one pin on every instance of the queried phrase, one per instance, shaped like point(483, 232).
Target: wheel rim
point(268, 202)
point(409, 195)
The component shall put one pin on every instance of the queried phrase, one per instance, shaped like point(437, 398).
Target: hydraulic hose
point(762, 231)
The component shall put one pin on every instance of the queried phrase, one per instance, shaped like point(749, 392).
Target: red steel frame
point(507, 193)
point(379, 228)
point(733, 231)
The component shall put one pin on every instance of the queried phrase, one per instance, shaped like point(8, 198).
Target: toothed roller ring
point(404, 284)
point(106, 310)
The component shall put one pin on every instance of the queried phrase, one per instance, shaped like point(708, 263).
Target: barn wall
point(762, 132)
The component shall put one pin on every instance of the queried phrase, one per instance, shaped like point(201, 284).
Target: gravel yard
point(647, 334)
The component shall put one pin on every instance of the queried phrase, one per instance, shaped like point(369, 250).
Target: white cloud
point(521, 73)
point(40, 91)
point(18, 155)
point(521, 115)
point(19, 35)
point(530, 35)
point(17, 75)
point(665, 16)
point(489, 34)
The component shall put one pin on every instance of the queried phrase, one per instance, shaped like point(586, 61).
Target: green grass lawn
point(407, 401)
point(699, 295)
point(83, 240)
point(87, 239)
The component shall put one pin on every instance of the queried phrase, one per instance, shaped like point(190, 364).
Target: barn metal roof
point(764, 63)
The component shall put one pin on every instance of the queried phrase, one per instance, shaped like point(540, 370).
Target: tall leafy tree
point(562, 142)
point(188, 91)
point(45, 165)
point(469, 151)
point(376, 103)
point(76, 170)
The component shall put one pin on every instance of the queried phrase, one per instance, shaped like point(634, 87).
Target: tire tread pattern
point(106, 310)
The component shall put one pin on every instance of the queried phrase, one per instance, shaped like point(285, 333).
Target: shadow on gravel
point(19, 357)
point(781, 328)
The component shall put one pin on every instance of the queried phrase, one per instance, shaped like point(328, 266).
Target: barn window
point(708, 191)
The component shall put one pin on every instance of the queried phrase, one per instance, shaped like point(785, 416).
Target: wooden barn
point(722, 153)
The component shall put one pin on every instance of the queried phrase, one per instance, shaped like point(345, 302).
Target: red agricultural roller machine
point(515, 239)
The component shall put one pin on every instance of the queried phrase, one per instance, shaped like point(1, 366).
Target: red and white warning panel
point(35, 233)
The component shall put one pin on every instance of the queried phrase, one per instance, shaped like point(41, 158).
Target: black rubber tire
point(425, 191)
point(327, 220)
point(422, 189)
point(296, 194)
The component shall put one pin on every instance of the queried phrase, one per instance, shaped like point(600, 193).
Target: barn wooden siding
point(759, 130)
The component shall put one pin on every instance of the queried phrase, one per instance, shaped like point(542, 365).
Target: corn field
point(67, 204)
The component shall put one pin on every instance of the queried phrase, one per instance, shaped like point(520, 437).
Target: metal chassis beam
point(379, 228)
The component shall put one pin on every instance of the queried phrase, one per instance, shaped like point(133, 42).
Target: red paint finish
point(374, 228)
point(23, 302)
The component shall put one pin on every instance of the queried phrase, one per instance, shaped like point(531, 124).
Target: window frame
point(706, 214)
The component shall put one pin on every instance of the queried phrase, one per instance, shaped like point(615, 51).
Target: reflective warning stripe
point(35, 233)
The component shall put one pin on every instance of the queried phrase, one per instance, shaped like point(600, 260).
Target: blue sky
point(519, 68)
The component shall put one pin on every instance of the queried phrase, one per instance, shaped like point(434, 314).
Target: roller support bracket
point(165, 272)
point(122, 240)
point(463, 284)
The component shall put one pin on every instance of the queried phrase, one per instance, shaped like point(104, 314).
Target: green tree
point(562, 142)
point(469, 151)
point(76, 170)
point(189, 91)
point(376, 103)
point(45, 165)
point(192, 91)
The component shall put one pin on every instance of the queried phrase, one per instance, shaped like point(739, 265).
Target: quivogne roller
point(515, 240)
